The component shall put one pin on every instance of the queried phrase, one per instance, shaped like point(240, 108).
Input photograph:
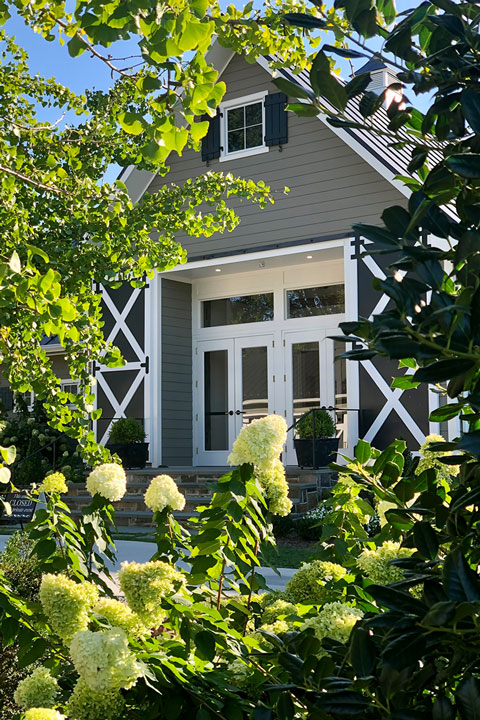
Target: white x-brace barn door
point(120, 392)
point(385, 413)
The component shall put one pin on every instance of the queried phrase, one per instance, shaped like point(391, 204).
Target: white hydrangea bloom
point(108, 480)
point(54, 483)
point(43, 714)
point(275, 484)
point(335, 620)
point(163, 492)
point(85, 704)
point(260, 443)
point(104, 660)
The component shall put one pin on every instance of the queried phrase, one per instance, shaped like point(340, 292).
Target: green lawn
point(289, 556)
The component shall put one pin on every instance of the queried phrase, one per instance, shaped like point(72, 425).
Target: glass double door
point(240, 379)
point(234, 386)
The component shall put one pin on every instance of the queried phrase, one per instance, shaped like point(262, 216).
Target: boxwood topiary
point(126, 430)
point(324, 425)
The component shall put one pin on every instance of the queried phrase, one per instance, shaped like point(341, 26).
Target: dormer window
point(243, 127)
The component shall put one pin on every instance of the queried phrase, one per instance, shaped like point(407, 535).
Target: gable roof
point(375, 149)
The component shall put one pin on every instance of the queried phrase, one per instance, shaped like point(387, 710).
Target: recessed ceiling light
point(309, 257)
point(217, 270)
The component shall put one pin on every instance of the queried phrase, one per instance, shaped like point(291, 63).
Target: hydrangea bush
point(204, 633)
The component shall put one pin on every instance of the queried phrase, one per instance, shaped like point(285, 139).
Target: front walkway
point(129, 550)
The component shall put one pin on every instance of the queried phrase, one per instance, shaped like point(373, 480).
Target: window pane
point(216, 400)
point(236, 118)
point(340, 369)
point(253, 114)
point(253, 136)
point(306, 377)
point(254, 383)
point(235, 310)
point(236, 140)
point(308, 302)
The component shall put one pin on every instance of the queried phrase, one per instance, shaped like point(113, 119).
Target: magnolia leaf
point(466, 164)
point(304, 20)
point(325, 84)
point(467, 698)
point(292, 89)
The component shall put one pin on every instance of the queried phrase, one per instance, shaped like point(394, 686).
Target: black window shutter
point(211, 141)
point(276, 122)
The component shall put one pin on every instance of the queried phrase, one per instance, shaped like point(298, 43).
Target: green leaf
point(292, 89)
point(444, 370)
point(8, 454)
point(285, 708)
point(426, 539)
point(466, 164)
point(45, 548)
point(467, 698)
point(446, 412)
point(440, 614)
point(205, 642)
point(363, 451)
point(303, 110)
point(344, 52)
point(75, 46)
point(325, 84)
point(357, 85)
point(132, 123)
point(470, 100)
point(442, 709)
point(404, 651)
point(362, 652)
point(14, 262)
point(342, 703)
point(394, 599)
point(304, 20)
point(30, 652)
point(460, 581)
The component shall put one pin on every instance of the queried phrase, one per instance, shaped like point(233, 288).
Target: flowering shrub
point(145, 585)
point(278, 608)
point(376, 563)
point(54, 483)
point(308, 584)
point(429, 459)
point(260, 443)
point(103, 659)
point(117, 614)
point(66, 603)
point(86, 704)
point(39, 688)
point(241, 673)
point(335, 620)
point(108, 480)
point(43, 714)
point(163, 493)
point(274, 483)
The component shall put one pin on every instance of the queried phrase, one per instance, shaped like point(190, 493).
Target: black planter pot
point(325, 452)
point(132, 455)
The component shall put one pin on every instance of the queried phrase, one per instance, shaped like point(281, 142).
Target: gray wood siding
point(331, 186)
point(176, 373)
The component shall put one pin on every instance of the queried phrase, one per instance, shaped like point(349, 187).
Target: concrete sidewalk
point(134, 550)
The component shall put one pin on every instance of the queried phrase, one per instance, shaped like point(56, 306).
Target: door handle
point(239, 412)
point(230, 412)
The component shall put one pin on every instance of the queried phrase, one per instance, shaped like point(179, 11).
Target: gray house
point(242, 329)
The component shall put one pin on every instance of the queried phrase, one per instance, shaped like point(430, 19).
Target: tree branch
point(31, 181)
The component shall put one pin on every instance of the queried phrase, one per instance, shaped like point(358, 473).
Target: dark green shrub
point(324, 425)
point(40, 448)
point(309, 526)
point(126, 430)
point(282, 525)
point(21, 566)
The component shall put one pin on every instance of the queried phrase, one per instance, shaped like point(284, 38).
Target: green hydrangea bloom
point(104, 660)
point(307, 586)
point(275, 485)
point(39, 688)
point(85, 704)
point(375, 563)
point(66, 603)
point(119, 615)
point(145, 584)
point(43, 714)
point(335, 620)
point(278, 608)
point(277, 628)
point(240, 673)
point(54, 483)
point(429, 459)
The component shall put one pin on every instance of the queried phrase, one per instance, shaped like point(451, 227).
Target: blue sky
point(52, 60)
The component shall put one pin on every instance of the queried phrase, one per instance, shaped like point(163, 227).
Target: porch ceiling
point(253, 262)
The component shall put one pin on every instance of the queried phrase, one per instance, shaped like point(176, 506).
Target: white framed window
point(71, 387)
point(242, 126)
